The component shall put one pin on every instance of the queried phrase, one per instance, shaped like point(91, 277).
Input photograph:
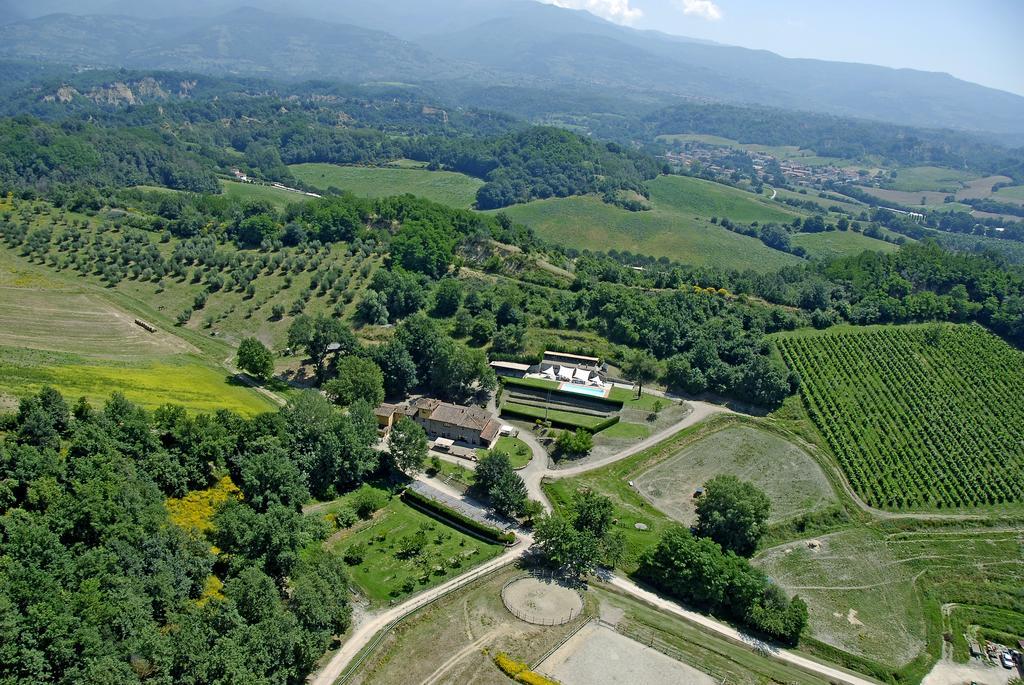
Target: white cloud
point(705, 9)
point(619, 11)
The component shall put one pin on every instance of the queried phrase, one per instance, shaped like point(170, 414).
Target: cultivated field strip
point(919, 417)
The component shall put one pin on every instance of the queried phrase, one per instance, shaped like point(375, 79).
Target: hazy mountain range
point(483, 44)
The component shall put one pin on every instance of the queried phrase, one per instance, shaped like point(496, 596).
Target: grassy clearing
point(910, 199)
point(1011, 194)
point(186, 380)
point(455, 638)
point(860, 598)
point(56, 331)
point(848, 205)
point(920, 417)
point(391, 569)
point(832, 244)
point(630, 507)
point(916, 179)
point(790, 477)
point(446, 187)
point(678, 225)
point(253, 191)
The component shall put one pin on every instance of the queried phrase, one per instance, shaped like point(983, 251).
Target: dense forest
point(112, 569)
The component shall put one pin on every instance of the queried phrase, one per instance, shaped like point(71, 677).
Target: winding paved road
point(533, 474)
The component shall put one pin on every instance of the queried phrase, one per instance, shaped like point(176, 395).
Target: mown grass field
point(386, 572)
point(1010, 194)
point(678, 225)
point(253, 191)
point(446, 187)
point(916, 179)
point(919, 417)
point(55, 330)
point(186, 380)
point(790, 477)
point(831, 244)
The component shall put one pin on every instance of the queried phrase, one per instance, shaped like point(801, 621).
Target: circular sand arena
point(544, 601)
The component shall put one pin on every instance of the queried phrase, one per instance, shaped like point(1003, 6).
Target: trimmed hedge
point(483, 530)
point(534, 413)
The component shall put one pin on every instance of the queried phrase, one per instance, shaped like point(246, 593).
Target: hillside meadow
point(446, 187)
point(678, 225)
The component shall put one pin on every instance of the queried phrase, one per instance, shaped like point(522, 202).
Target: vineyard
point(919, 417)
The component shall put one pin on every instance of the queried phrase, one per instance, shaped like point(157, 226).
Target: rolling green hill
point(454, 189)
point(678, 225)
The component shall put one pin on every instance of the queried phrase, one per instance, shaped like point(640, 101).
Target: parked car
point(1006, 660)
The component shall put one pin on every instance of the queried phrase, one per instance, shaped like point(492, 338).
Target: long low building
point(468, 425)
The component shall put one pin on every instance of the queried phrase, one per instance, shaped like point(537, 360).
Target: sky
point(975, 40)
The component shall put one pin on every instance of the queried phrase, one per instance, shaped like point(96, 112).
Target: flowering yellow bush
point(195, 510)
point(531, 678)
point(518, 671)
point(509, 665)
point(211, 590)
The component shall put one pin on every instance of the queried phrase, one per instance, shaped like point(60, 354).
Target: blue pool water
point(583, 390)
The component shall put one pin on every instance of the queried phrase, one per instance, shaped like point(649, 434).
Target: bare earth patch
point(598, 655)
point(543, 601)
point(789, 476)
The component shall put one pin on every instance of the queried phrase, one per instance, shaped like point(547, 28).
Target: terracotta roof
point(385, 410)
point(466, 417)
point(491, 430)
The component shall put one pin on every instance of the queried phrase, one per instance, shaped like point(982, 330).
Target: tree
point(592, 511)
point(576, 443)
point(320, 337)
point(255, 358)
point(574, 552)
point(397, 367)
point(424, 247)
point(447, 297)
point(407, 445)
point(358, 378)
point(733, 513)
point(266, 476)
point(491, 468)
point(508, 494)
point(640, 367)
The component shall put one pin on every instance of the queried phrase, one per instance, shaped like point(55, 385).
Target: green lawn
point(626, 431)
point(446, 187)
point(832, 244)
point(566, 417)
point(519, 453)
point(678, 226)
point(386, 572)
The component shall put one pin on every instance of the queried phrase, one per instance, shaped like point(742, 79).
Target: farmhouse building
point(439, 419)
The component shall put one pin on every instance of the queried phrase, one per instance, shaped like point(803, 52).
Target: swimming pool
point(583, 390)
